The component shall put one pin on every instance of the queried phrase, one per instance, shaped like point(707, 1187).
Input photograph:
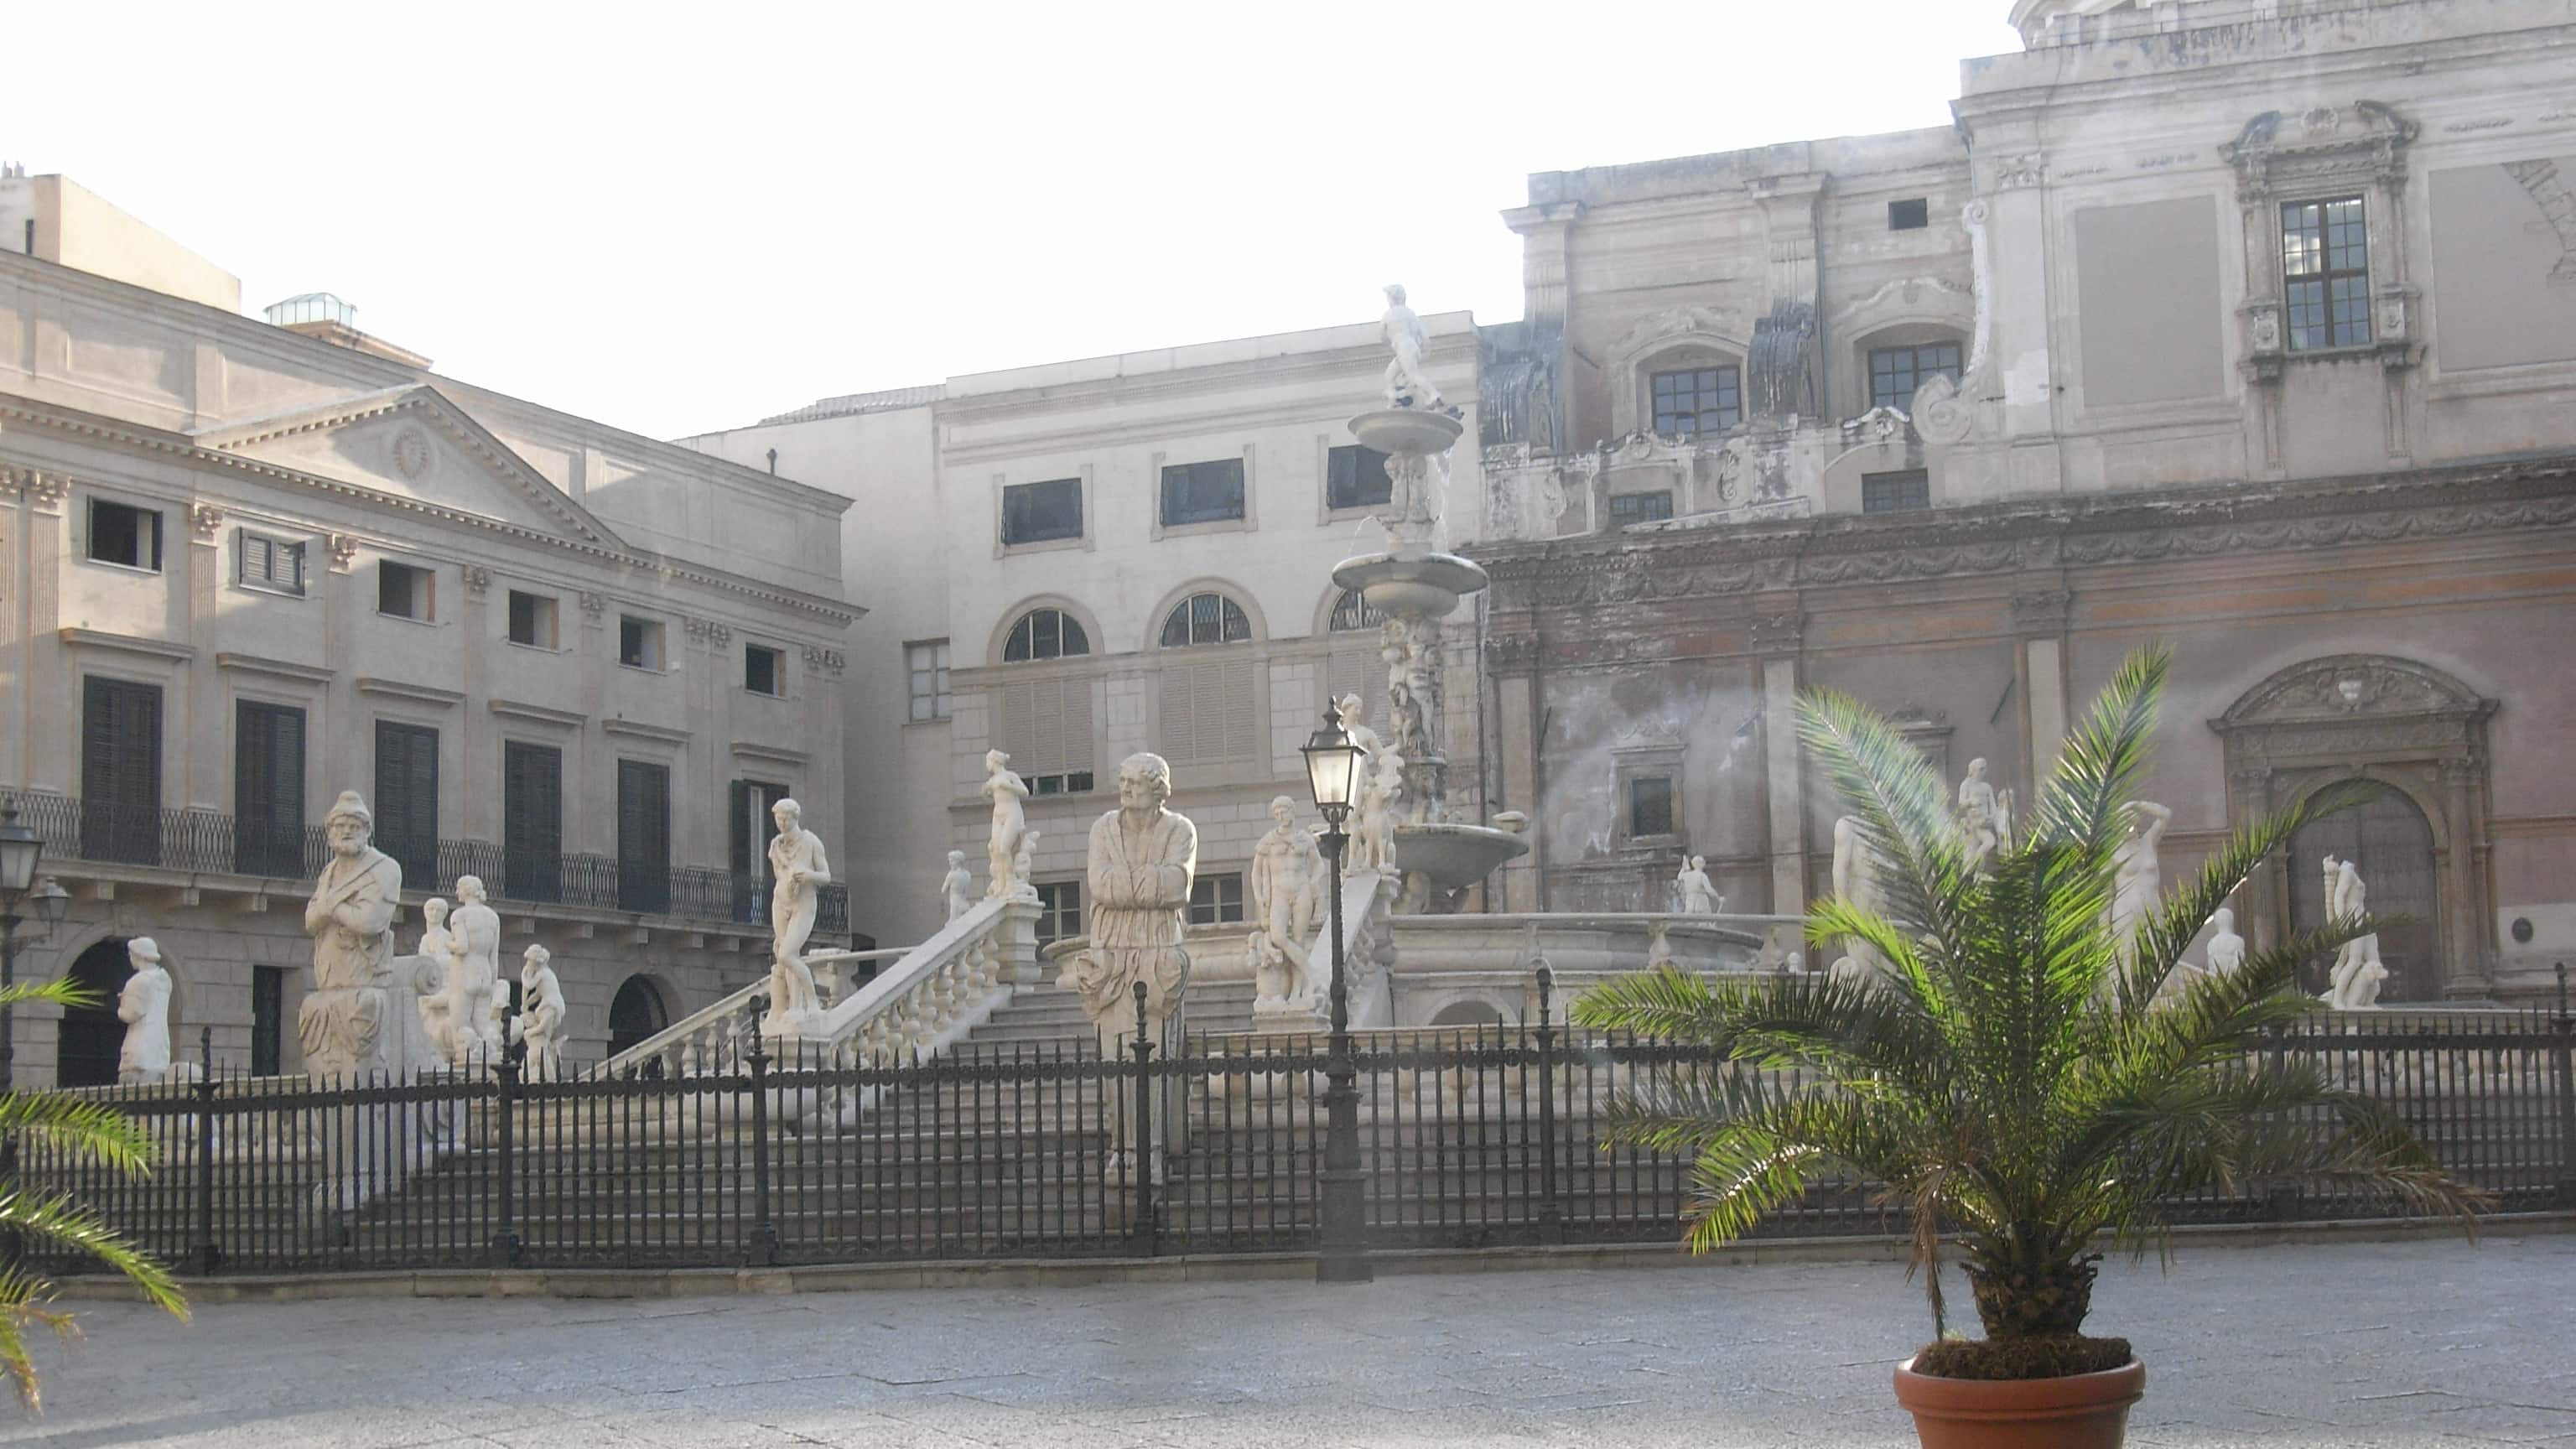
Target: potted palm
point(2010, 1079)
point(83, 1130)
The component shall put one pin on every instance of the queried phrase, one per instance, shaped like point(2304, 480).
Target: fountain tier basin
point(1455, 856)
point(1417, 588)
point(1407, 430)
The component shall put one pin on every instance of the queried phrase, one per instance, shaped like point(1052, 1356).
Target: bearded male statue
point(1142, 859)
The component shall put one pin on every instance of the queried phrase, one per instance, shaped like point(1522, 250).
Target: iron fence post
point(207, 1255)
point(2562, 1067)
point(505, 1100)
point(1146, 1158)
point(1342, 1256)
point(2280, 1199)
point(763, 1247)
point(1551, 1213)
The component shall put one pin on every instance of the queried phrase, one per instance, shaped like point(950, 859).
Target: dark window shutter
point(268, 789)
point(407, 800)
point(120, 771)
point(643, 836)
point(532, 821)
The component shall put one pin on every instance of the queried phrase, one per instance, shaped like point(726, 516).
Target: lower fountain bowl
point(1455, 856)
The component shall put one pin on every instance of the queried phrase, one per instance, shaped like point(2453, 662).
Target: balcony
point(203, 842)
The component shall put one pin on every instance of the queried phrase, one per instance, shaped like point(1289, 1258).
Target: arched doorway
point(636, 1014)
point(1468, 1012)
point(90, 1036)
point(2390, 843)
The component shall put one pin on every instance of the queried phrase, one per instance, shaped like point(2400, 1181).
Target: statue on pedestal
point(2226, 950)
point(1142, 859)
point(1856, 881)
point(1408, 380)
point(1007, 791)
point(1694, 894)
point(438, 947)
point(144, 1007)
point(2357, 971)
point(342, 1022)
point(1985, 815)
point(797, 870)
point(2139, 879)
point(957, 888)
point(475, 928)
point(1283, 902)
point(541, 1014)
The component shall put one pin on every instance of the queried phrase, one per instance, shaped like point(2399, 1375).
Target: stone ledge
point(1186, 1268)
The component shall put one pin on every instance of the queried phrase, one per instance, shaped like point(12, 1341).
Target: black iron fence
point(1471, 1138)
point(207, 842)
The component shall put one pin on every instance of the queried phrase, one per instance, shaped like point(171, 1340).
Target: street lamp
point(1332, 770)
point(21, 851)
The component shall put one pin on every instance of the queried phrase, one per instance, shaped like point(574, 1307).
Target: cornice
point(275, 668)
point(537, 713)
point(417, 693)
point(178, 447)
point(637, 729)
point(129, 644)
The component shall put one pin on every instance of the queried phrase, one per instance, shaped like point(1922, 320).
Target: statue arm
point(1170, 879)
point(819, 869)
point(129, 1002)
point(369, 910)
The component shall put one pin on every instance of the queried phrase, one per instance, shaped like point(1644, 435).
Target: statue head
point(788, 814)
point(434, 910)
point(1353, 710)
point(469, 889)
point(144, 953)
point(2222, 922)
point(956, 860)
point(350, 827)
point(534, 961)
point(1144, 781)
point(1977, 769)
point(995, 761)
point(1395, 294)
point(1283, 810)
point(1699, 862)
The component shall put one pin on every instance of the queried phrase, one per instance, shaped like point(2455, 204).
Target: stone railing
point(914, 1008)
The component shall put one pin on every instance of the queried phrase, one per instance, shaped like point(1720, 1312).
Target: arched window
point(1351, 612)
point(1045, 634)
point(1205, 619)
point(89, 1037)
point(636, 1014)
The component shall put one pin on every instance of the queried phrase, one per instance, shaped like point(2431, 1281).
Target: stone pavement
point(2427, 1342)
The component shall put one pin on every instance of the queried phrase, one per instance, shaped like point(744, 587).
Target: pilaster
point(1776, 640)
point(201, 768)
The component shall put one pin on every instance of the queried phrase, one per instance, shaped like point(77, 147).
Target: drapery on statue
point(144, 1007)
point(2139, 879)
point(541, 1014)
point(1142, 858)
point(797, 871)
point(2354, 984)
point(1408, 380)
point(1694, 894)
point(1283, 906)
point(957, 888)
point(1007, 791)
point(342, 1022)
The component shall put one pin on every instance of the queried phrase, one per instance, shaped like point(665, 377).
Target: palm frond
point(86, 1131)
point(57, 1219)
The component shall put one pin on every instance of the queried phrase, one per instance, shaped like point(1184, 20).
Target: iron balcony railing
point(206, 842)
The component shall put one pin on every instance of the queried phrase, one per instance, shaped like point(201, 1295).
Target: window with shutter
point(407, 800)
point(1208, 712)
point(267, 1019)
point(120, 771)
point(643, 837)
point(268, 789)
point(753, 828)
point(531, 821)
point(1046, 727)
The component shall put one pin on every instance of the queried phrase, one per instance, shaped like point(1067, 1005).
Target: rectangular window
point(1355, 477)
point(926, 669)
point(1059, 910)
point(531, 821)
point(124, 535)
point(120, 771)
point(1070, 782)
point(1895, 372)
point(639, 642)
point(1627, 508)
point(2325, 273)
point(267, 1020)
point(268, 790)
point(532, 620)
point(1046, 726)
point(1650, 805)
point(1209, 713)
point(272, 565)
point(1910, 215)
point(764, 670)
point(407, 800)
point(1041, 512)
point(1216, 900)
point(406, 592)
point(1210, 492)
point(643, 837)
point(1697, 402)
point(1895, 492)
point(753, 828)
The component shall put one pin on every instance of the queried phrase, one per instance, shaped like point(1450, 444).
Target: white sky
point(676, 218)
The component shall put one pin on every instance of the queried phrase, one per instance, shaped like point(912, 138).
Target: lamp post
point(1332, 768)
point(21, 850)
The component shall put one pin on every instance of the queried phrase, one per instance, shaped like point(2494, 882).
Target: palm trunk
point(2043, 1299)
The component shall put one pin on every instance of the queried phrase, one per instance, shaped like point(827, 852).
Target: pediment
point(412, 442)
point(2352, 686)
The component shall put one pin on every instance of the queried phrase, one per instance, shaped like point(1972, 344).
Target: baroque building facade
point(2246, 330)
point(243, 569)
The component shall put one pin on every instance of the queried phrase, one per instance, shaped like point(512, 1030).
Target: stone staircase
point(1045, 1012)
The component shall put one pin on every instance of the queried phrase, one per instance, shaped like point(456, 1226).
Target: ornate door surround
point(2377, 717)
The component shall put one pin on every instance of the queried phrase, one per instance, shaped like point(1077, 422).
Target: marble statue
point(541, 1014)
point(438, 947)
point(1380, 790)
point(1026, 886)
point(1694, 894)
point(797, 871)
point(1855, 881)
point(1007, 791)
point(1408, 380)
point(1354, 713)
point(1142, 858)
point(144, 1007)
point(2357, 970)
point(1985, 815)
point(342, 1023)
point(2226, 950)
point(1283, 901)
point(2138, 878)
point(957, 889)
point(476, 930)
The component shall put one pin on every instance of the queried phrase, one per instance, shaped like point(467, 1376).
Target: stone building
point(1076, 561)
point(2246, 328)
point(243, 568)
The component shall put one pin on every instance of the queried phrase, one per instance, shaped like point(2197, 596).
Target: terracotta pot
point(2080, 1411)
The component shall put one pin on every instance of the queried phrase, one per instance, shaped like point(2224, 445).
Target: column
point(344, 752)
point(1776, 643)
point(202, 755)
point(2040, 617)
point(470, 768)
point(1511, 661)
point(590, 774)
point(2464, 908)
